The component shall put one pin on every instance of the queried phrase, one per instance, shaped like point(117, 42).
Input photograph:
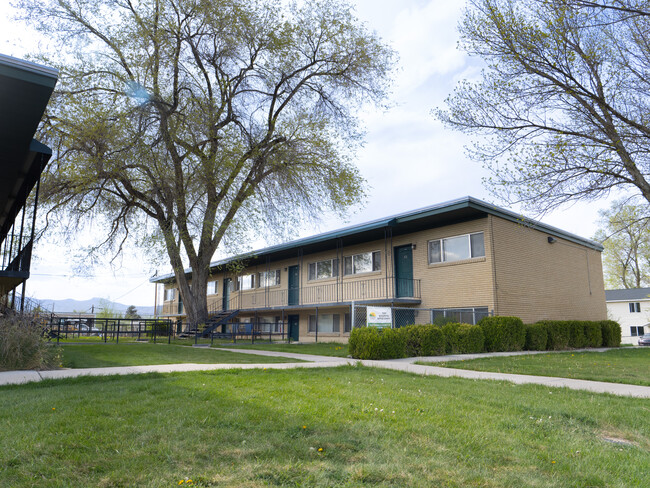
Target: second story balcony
point(376, 289)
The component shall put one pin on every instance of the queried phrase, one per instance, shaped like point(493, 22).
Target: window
point(636, 330)
point(212, 287)
point(347, 323)
point(169, 294)
point(323, 269)
point(456, 248)
point(635, 307)
point(362, 263)
point(269, 278)
point(326, 323)
point(246, 282)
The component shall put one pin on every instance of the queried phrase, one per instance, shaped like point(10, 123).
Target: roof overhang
point(25, 89)
point(455, 211)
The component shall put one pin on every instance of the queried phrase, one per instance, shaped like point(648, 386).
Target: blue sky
point(409, 159)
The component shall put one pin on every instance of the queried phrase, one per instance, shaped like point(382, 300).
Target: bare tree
point(562, 106)
point(205, 118)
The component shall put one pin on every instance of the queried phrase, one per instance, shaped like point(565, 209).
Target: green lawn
point(343, 427)
point(319, 349)
point(103, 355)
point(626, 365)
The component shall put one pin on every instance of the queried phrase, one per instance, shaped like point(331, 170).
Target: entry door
point(227, 285)
point(403, 271)
point(294, 327)
point(294, 285)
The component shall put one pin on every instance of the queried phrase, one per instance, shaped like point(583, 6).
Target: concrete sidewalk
point(406, 365)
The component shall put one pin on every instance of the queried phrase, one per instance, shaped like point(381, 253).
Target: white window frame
point(215, 287)
point(242, 278)
point(170, 294)
point(635, 307)
point(272, 276)
point(334, 267)
point(375, 257)
point(441, 242)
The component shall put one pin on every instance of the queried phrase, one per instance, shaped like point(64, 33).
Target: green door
point(294, 327)
point(403, 271)
point(294, 285)
point(227, 285)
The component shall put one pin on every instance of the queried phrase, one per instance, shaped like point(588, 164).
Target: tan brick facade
point(521, 274)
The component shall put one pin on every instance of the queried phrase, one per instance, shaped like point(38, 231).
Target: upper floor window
point(269, 278)
point(212, 287)
point(169, 294)
point(635, 307)
point(246, 282)
point(362, 263)
point(323, 269)
point(456, 248)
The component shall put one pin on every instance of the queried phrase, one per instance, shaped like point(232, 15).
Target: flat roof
point(438, 215)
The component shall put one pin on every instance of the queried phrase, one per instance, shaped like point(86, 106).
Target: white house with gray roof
point(631, 309)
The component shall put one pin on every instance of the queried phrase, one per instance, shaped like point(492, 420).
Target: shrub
point(412, 335)
point(503, 333)
point(22, 345)
point(450, 334)
point(432, 340)
point(577, 337)
point(593, 334)
point(558, 334)
point(470, 339)
point(536, 337)
point(374, 343)
point(611, 333)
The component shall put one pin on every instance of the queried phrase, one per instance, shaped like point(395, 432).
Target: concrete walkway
point(406, 365)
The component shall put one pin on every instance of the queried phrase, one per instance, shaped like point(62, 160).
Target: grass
point(342, 427)
point(627, 365)
point(104, 355)
point(319, 349)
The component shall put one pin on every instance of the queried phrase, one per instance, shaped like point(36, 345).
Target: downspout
point(494, 267)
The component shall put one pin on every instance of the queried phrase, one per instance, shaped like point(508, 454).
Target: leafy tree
point(564, 100)
point(107, 310)
point(625, 234)
point(194, 123)
point(132, 313)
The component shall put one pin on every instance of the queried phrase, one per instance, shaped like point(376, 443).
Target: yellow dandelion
point(304, 426)
point(53, 408)
point(181, 482)
point(320, 449)
point(552, 462)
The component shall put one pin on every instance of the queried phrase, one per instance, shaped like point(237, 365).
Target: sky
point(409, 159)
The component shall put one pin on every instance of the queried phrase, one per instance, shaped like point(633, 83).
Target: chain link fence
point(403, 316)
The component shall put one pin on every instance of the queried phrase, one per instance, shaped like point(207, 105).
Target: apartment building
point(464, 258)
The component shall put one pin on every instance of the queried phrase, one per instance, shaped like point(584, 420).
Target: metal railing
point(342, 291)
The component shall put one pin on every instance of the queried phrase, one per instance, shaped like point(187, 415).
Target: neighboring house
point(631, 309)
point(464, 258)
point(25, 89)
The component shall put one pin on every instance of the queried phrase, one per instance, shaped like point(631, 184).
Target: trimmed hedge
point(611, 333)
point(375, 343)
point(503, 333)
point(491, 334)
point(536, 337)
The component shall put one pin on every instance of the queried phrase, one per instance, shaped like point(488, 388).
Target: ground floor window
point(326, 323)
point(636, 330)
point(463, 315)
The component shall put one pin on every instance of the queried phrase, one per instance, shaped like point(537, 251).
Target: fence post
point(316, 324)
point(58, 332)
point(154, 332)
point(169, 331)
point(117, 338)
point(353, 318)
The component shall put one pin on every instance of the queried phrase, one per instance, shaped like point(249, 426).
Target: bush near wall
point(611, 332)
point(375, 343)
point(507, 334)
point(503, 333)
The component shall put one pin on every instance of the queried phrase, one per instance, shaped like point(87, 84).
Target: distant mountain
point(71, 306)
